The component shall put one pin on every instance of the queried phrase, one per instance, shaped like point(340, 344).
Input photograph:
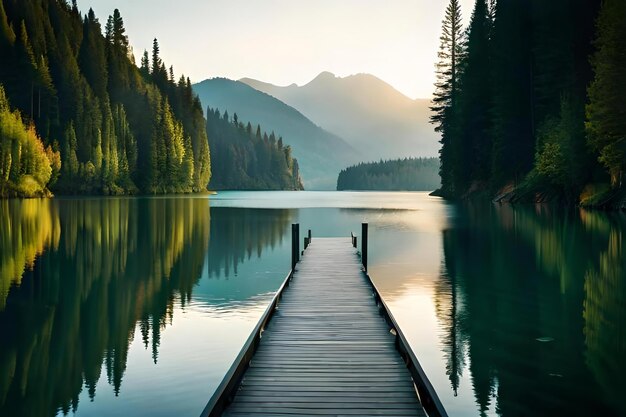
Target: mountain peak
point(367, 111)
point(324, 76)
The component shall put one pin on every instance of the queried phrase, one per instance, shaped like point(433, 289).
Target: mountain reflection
point(77, 277)
point(536, 298)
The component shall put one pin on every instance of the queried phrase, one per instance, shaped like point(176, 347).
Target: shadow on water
point(78, 277)
point(532, 303)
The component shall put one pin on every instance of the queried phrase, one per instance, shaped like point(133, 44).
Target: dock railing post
point(309, 235)
point(297, 242)
point(294, 244)
point(364, 244)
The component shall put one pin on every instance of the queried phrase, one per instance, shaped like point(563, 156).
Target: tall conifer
point(447, 89)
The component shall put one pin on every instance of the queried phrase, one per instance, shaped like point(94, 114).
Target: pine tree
point(513, 126)
point(145, 65)
point(475, 101)
point(92, 56)
point(119, 37)
point(69, 168)
point(447, 90)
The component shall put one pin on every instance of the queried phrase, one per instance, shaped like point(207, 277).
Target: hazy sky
point(289, 41)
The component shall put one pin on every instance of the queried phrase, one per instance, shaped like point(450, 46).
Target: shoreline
point(596, 197)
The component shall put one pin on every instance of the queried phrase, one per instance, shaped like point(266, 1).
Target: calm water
point(138, 306)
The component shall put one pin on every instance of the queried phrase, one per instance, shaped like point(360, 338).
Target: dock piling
point(364, 227)
point(295, 245)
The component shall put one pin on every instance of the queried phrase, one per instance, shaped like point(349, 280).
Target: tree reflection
point(605, 311)
point(242, 233)
point(117, 262)
point(543, 293)
point(447, 305)
point(27, 228)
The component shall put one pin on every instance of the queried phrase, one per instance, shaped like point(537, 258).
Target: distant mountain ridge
point(321, 154)
point(367, 112)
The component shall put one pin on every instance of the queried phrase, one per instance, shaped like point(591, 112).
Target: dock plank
point(327, 350)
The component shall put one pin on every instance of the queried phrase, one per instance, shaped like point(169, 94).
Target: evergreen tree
point(475, 101)
point(512, 112)
point(92, 57)
point(145, 65)
point(119, 37)
point(447, 91)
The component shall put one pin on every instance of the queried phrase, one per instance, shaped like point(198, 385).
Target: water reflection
point(537, 299)
point(79, 277)
point(605, 313)
point(27, 229)
point(512, 310)
point(244, 233)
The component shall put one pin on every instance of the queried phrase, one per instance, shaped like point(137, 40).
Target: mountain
point(321, 154)
point(367, 112)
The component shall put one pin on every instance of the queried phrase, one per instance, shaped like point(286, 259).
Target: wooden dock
point(329, 348)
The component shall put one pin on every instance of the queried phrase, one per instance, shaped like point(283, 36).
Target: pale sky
point(289, 41)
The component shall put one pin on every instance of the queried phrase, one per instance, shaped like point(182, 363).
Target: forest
point(248, 159)
point(408, 174)
point(531, 101)
point(78, 116)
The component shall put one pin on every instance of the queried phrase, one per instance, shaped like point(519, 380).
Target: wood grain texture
point(327, 350)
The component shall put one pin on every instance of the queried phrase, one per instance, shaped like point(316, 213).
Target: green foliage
point(119, 129)
point(519, 114)
point(548, 162)
point(606, 112)
point(246, 160)
point(409, 174)
point(25, 167)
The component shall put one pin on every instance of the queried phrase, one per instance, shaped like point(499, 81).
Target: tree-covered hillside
point(119, 128)
point(244, 158)
point(409, 174)
point(530, 99)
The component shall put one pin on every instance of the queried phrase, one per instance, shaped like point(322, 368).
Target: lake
point(138, 306)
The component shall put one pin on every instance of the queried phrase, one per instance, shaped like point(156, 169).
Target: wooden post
point(309, 235)
point(306, 242)
point(364, 245)
point(294, 252)
point(297, 242)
